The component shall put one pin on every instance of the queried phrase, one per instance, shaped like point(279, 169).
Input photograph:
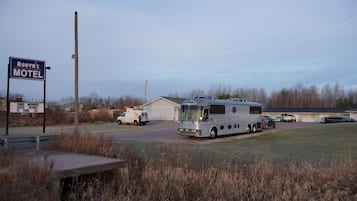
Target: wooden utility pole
point(145, 91)
point(76, 109)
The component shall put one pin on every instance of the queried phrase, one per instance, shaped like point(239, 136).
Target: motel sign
point(27, 69)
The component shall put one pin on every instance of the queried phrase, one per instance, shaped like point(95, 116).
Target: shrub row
point(54, 116)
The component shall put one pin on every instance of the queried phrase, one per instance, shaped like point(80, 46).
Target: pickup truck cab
point(288, 118)
point(131, 116)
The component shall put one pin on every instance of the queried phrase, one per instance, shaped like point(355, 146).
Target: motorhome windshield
point(190, 113)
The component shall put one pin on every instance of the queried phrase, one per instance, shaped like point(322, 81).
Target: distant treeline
point(296, 97)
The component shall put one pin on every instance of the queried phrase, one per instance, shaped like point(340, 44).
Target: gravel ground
point(154, 131)
point(166, 131)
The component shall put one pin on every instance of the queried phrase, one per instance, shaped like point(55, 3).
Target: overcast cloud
point(179, 46)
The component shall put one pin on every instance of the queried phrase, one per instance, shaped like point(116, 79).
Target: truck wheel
point(248, 129)
point(213, 133)
point(254, 129)
point(119, 122)
point(135, 123)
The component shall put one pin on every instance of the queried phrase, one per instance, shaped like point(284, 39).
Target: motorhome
point(207, 116)
point(132, 116)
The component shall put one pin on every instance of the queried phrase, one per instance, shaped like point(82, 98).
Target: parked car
point(288, 118)
point(349, 119)
point(278, 118)
point(336, 119)
point(268, 122)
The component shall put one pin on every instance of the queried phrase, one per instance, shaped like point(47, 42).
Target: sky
point(179, 45)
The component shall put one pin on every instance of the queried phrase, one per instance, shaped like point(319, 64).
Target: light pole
point(44, 99)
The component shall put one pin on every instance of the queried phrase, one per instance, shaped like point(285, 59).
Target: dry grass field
point(315, 144)
point(237, 170)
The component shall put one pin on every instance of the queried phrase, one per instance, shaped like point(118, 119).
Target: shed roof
point(351, 110)
point(177, 101)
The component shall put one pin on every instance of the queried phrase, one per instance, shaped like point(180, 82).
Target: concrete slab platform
point(68, 164)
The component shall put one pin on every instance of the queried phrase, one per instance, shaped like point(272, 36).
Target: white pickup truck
point(288, 118)
point(131, 116)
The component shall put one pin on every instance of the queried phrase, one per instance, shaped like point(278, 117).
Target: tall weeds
point(84, 143)
point(252, 178)
point(183, 174)
point(22, 180)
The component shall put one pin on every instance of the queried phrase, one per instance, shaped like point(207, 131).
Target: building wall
point(353, 115)
point(162, 110)
point(308, 116)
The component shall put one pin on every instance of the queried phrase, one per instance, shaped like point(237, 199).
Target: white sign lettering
point(27, 68)
point(27, 73)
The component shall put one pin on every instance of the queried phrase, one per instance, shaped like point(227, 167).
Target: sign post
point(20, 68)
point(44, 100)
point(7, 99)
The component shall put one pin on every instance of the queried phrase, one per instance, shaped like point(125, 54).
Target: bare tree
point(220, 91)
point(327, 96)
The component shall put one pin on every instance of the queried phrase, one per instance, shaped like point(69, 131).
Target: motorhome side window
point(255, 110)
point(218, 109)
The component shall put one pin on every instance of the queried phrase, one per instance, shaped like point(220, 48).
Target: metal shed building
point(163, 108)
point(353, 113)
point(311, 114)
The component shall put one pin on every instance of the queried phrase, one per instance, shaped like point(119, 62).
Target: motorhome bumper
point(189, 131)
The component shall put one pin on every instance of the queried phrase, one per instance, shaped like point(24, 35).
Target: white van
point(131, 116)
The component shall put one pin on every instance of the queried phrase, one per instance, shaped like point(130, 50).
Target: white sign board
point(20, 107)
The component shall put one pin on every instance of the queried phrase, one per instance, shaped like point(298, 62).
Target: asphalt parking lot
point(165, 131)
